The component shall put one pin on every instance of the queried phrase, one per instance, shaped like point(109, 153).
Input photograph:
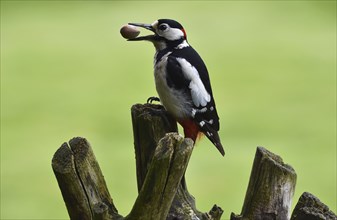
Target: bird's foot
point(152, 98)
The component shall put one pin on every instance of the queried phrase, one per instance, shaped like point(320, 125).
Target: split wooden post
point(162, 157)
point(163, 177)
point(310, 207)
point(270, 189)
point(82, 183)
point(150, 124)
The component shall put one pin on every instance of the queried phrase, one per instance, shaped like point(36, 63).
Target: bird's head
point(167, 33)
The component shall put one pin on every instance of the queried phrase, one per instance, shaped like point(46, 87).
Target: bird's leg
point(158, 110)
point(151, 99)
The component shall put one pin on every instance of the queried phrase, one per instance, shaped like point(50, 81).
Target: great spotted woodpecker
point(182, 81)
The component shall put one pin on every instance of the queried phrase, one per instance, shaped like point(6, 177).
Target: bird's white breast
point(175, 102)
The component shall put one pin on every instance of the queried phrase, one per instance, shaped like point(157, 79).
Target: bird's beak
point(148, 37)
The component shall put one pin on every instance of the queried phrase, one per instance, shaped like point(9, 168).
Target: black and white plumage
point(182, 80)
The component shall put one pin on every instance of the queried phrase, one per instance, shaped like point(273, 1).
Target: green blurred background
point(66, 71)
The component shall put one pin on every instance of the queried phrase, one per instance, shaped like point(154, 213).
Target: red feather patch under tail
point(191, 129)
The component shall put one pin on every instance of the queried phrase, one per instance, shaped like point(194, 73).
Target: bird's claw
point(152, 98)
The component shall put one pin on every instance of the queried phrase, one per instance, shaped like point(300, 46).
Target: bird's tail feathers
point(213, 136)
point(192, 130)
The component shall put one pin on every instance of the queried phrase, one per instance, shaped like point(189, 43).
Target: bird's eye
point(163, 27)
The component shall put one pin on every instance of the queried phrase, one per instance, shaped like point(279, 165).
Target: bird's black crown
point(171, 23)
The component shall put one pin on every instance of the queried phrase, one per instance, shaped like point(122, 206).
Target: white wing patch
point(200, 96)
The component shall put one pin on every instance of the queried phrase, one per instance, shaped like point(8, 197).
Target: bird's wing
point(184, 76)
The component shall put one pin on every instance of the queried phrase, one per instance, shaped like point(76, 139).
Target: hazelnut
point(129, 31)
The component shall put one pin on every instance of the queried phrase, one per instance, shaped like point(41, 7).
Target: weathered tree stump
point(82, 183)
point(270, 189)
point(309, 207)
point(162, 157)
point(163, 177)
point(150, 124)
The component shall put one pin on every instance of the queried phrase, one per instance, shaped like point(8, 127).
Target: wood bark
point(310, 207)
point(150, 124)
point(82, 183)
point(70, 184)
point(163, 177)
point(270, 189)
point(162, 156)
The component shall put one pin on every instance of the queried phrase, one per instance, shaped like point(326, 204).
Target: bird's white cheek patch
point(200, 96)
point(172, 34)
